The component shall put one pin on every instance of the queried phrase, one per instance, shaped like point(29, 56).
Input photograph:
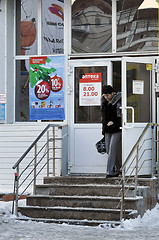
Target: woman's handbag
point(100, 145)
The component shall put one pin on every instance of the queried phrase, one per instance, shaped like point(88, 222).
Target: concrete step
point(83, 201)
point(82, 190)
point(75, 213)
point(90, 199)
point(142, 181)
point(78, 222)
point(82, 180)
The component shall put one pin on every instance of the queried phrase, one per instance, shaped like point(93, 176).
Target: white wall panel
point(14, 141)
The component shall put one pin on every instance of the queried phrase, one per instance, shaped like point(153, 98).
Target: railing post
point(35, 162)
point(53, 133)
point(17, 189)
point(48, 153)
point(158, 156)
point(136, 170)
point(122, 211)
point(152, 163)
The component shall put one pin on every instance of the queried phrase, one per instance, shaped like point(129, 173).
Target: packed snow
point(144, 228)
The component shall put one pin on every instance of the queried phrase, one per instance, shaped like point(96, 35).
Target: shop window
point(37, 33)
point(22, 91)
point(26, 28)
point(91, 26)
point(51, 20)
point(52, 27)
point(137, 21)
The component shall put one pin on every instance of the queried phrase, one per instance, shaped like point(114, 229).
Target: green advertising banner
point(46, 88)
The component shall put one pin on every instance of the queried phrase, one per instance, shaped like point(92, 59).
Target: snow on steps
point(100, 214)
point(90, 201)
point(84, 222)
point(81, 189)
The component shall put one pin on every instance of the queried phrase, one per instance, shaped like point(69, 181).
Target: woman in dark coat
point(111, 128)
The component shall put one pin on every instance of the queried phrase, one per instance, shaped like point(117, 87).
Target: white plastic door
point(138, 106)
point(85, 127)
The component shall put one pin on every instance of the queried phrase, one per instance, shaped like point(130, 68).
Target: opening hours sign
point(90, 89)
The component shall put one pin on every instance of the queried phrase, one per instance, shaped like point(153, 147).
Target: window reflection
point(91, 26)
point(137, 25)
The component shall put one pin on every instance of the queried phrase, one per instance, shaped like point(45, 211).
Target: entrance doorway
point(138, 107)
point(85, 116)
point(135, 78)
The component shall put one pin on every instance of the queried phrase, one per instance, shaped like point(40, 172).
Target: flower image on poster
point(46, 88)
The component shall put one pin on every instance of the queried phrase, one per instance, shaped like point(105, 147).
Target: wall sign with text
point(90, 89)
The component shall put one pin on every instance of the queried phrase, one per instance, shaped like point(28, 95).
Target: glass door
point(86, 81)
point(138, 105)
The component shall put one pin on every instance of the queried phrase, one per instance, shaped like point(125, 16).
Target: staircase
point(87, 200)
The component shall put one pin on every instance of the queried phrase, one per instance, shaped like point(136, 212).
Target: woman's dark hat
point(107, 89)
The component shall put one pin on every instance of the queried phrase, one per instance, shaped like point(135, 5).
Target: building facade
point(114, 41)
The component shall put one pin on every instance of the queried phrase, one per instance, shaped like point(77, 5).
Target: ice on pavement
point(143, 228)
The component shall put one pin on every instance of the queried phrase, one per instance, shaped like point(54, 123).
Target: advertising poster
point(52, 27)
point(46, 88)
point(2, 111)
point(90, 89)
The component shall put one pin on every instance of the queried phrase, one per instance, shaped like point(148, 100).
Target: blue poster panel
point(2, 111)
point(46, 88)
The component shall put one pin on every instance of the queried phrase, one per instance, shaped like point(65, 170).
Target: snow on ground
point(144, 228)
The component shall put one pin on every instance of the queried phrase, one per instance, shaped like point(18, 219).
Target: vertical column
point(9, 59)
point(114, 26)
point(39, 8)
point(67, 49)
point(67, 27)
point(2, 48)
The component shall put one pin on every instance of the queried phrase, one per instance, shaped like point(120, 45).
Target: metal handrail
point(46, 149)
point(136, 144)
point(123, 168)
point(33, 144)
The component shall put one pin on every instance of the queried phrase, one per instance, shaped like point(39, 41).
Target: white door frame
point(72, 125)
point(127, 126)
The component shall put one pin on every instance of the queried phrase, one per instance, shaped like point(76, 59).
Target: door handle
point(132, 117)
